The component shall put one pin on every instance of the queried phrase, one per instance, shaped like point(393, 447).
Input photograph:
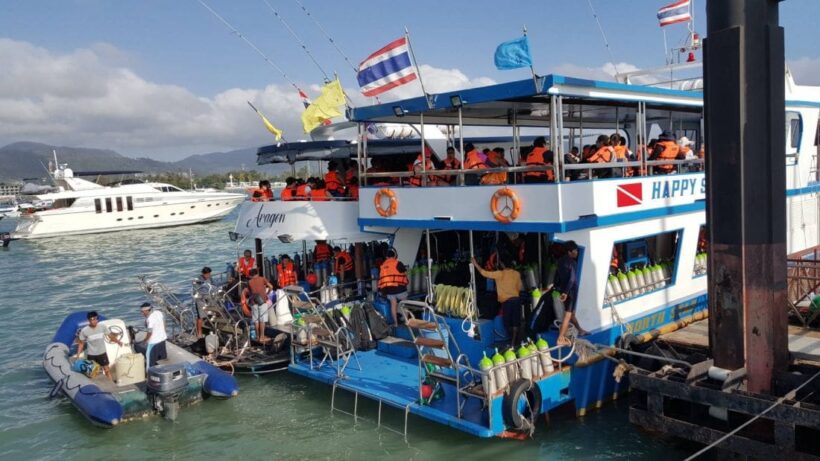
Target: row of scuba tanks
point(531, 361)
point(700, 263)
point(626, 285)
point(418, 281)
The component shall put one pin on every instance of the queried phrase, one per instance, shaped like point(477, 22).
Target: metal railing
point(803, 277)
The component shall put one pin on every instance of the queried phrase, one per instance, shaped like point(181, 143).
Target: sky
point(166, 79)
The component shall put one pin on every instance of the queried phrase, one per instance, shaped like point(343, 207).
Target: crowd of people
point(336, 184)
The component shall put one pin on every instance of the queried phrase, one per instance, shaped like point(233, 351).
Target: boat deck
point(804, 344)
point(394, 381)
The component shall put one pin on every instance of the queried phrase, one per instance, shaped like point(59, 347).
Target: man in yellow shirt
point(508, 289)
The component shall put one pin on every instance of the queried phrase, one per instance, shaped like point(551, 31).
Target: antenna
point(603, 34)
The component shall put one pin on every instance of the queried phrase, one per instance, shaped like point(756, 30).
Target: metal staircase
point(435, 354)
point(315, 327)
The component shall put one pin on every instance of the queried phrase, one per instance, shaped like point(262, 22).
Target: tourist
point(539, 156)
point(343, 267)
point(204, 289)
point(333, 183)
point(94, 335)
point(566, 284)
point(508, 290)
point(451, 163)
point(265, 189)
point(474, 160)
point(153, 345)
point(259, 288)
point(393, 282)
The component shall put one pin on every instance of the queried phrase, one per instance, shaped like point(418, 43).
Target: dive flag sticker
point(630, 194)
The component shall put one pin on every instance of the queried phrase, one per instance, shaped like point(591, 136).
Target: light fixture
point(234, 236)
point(455, 101)
point(398, 111)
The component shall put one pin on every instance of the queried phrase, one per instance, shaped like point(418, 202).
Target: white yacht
point(83, 207)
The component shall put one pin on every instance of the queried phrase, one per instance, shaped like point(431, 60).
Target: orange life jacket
point(349, 175)
point(602, 155)
point(319, 195)
point(257, 195)
point(536, 158)
point(353, 191)
point(620, 153)
point(301, 192)
point(287, 274)
point(453, 164)
point(495, 160)
point(670, 152)
point(322, 252)
point(415, 181)
point(389, 275)
point(245, 265)
point(332, 182)
point(343, 261)
point(287, 194)
point(474, 161)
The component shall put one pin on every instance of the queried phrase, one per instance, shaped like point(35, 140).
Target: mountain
point(30, 160)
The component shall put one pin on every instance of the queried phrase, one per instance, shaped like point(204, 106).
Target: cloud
point(90, 97)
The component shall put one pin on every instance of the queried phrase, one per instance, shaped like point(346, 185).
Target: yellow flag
point(276, 131)
point(325, 107)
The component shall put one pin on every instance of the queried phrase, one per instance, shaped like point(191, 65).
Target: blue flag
point(513, 54)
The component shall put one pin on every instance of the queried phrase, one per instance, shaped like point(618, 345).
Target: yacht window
point(701, 253)
point(119, 203)
point(108, 205)
point(641, 266)
point(794, 129)
point(63, 202)
point(130, 202)
point(98, 205)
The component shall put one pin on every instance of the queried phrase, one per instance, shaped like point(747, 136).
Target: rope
point(298, 40)
point(246, 40)
point(789, 395)
point(603, 34)
point(329, 38)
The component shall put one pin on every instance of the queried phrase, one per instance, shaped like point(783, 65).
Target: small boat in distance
point(84, 207)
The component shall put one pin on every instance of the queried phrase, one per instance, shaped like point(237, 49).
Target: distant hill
point(27, 160)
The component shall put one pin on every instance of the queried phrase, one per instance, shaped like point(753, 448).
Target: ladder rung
point(436, 360)
point(430, 342)
point(421, 324)
point(312, 319)
point(322, 332)
point(442, 376)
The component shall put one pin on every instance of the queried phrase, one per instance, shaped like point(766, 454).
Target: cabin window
point(699, 269)
point(817, 152)
point(119, 203)
point(129, 201)
point(108, 206)
point(641, 266)
point(98, 205)
point(794, 129)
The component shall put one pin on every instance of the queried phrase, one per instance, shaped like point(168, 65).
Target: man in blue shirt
point(566, 284)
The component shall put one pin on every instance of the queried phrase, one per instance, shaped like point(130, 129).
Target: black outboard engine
point(165, 385)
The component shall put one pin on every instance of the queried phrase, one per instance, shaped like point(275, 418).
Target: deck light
point(398, 111)
point(455, 101)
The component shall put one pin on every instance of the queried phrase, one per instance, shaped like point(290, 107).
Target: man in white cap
point(686, 147)
point(153, 345)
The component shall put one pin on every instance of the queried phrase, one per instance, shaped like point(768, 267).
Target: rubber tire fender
point(509, 407)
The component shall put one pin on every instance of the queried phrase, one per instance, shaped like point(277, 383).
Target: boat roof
point(301, 151)
point(528, 100)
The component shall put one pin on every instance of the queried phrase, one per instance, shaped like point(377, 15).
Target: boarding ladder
point(436, 360)
point(317, 328)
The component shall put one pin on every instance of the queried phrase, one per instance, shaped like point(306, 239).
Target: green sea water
point(278, 416)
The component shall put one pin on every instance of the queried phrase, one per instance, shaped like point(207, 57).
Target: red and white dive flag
point(386, 68)
point(675, 13)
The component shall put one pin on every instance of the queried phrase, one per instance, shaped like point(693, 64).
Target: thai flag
point(386, 69)
point(674, 13)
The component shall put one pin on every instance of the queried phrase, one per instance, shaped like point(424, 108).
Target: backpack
point(378, 325)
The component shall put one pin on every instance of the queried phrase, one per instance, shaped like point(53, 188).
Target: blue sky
point(164, 60)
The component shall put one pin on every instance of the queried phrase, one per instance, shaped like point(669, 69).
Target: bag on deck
point(378, 325)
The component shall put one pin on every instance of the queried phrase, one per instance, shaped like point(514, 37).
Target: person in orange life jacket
point(571, 158)
point(259, 288)
point(393, 282)
point(566, 284)
point(666, 149)
point(267, 192)
point(343, 266)
point(614, 263)
point(685, 145)
point(286, 271)
point(540, 155)
point(302, 190)
point(333, 183)
point(604, 153)
point(496, 159)
point(451, 163)
point(322, 251)
point(418, 168)
point(245, 264)
point(473, 160)
point(318, 192)
point(353, 189)
point(352, 172)
point(289, 192)
point(376, 166)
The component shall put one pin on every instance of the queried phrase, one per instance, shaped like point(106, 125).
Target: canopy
point(294, 221)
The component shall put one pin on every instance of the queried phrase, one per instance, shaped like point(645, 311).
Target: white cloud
point(89, 97)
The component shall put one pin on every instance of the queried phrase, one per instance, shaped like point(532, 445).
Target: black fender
point(521, 388)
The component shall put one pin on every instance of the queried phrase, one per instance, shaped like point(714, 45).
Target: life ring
point(512, 212)
point(394, 202)
point(516, 411)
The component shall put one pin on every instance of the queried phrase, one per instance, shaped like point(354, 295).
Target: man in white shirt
point(153, 345)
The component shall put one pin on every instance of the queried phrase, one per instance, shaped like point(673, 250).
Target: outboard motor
point(165, 385)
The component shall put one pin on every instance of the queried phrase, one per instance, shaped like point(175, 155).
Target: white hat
point(684, 141)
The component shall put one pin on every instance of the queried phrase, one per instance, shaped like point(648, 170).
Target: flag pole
point(534, 77)
point(265, 119)
point(416, 65)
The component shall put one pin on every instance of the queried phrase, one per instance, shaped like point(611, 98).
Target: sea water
point(277, 416)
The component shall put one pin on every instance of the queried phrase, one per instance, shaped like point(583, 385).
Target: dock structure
point(756, 393)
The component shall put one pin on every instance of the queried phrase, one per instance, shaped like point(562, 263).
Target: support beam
point(744, 96)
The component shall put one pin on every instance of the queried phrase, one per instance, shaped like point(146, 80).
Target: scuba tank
point(529, 275)
point(512, 369)
point(624, 282)
point(333, 292)
point(544, 355)
point(647, 278)
point(434, 275)
point(657, 276)
point(667, 271)
point(552, 268)
point(274, 272)
point(614, 288)
point(525, 365)
point(558, 305)
point(487, 381)
point(501, 380)
point(374, 279)
point(633, 283)
point(535, 363)
point(423, 277)
point(536, 296)
point(641, 280)
point(230, 269)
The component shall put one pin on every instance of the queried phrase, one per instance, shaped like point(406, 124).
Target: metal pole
point(430, 280)
point(744, 96)
point(472, 268)
point(423, 153)
point(461, 144)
